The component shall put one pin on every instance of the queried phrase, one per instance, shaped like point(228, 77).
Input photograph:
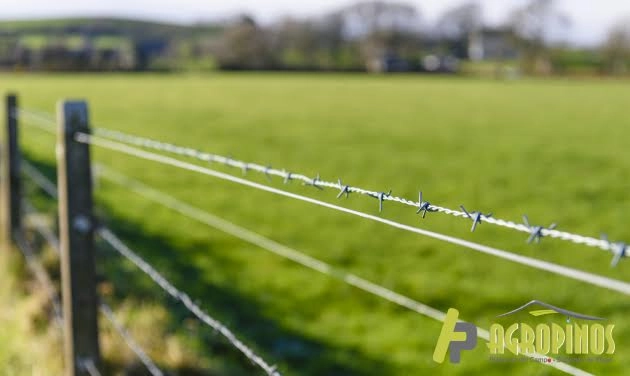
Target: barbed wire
point(125, 251)
point(296, 256)
point(126, 336)
point(590, 278)
point(536, 232)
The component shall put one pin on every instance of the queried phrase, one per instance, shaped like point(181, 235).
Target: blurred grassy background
point(555, 150)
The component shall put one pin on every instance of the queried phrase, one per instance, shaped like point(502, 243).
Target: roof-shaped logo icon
point(550, 310)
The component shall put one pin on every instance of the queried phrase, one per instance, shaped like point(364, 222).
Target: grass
point(28, 346)
point(555, 150)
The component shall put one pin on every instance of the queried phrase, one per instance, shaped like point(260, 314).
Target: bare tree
point(460, 21)
point(616, 49)
point(382, 27)
point(532, 25)
point(244, 45)
point(370, 17)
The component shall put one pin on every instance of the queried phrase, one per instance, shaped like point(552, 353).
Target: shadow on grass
point(296, 353)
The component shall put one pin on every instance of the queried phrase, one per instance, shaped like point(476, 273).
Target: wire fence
point(281, 250)
point(45, 281)
point(536, 232)
point(137, 147)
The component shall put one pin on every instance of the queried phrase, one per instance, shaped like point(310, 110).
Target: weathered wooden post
point(12, 218)
point(76, 236)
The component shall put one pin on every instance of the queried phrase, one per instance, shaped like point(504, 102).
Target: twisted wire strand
point(131, 343)
point(593, 279)
point(619, 249)
point(125, 251)
point(297, 256)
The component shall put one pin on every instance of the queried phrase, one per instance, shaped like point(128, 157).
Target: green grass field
point(555, 150)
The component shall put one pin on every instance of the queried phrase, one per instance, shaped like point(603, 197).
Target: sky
point(590, 18)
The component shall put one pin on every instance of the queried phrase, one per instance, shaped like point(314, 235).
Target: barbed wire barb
point(475, 216)
point(618, 249)
point(536, 231)
point(423, 206)
point(344, 189)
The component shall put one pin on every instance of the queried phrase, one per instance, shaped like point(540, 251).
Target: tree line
point(385, 36)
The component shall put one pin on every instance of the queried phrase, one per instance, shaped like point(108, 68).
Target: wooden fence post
point(12, 217)
point(76, 236)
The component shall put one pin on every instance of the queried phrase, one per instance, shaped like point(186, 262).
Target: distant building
point(492, 44)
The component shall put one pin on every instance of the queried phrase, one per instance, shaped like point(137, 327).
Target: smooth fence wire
point(604, 282)
point(39, 179)
point(39, 119)
point(536, 232)
point(123, 250)
point(131, 343)
point(299, 257)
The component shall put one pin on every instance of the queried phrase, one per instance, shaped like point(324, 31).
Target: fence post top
point(74, 114)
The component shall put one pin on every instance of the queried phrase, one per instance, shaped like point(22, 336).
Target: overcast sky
point(590, 18)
